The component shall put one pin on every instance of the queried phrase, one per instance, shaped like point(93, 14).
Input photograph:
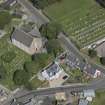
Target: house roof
point(52, 70)
point(22, 37)
point(89, 93)
point(83, 102)
point(35, 32)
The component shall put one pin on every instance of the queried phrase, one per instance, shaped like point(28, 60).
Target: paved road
point(48, 91)
point(37, 15)
point(71, 48)
point(24, 98)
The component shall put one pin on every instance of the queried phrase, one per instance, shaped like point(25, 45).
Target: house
point(25, 41)
point(52, 72)
point(89, 94)
point(92, 71)
point(83, 102)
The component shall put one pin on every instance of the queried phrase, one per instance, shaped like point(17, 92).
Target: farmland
point(82, 20)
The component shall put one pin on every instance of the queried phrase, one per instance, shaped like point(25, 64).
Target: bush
point(8, 56)
point(102, 60)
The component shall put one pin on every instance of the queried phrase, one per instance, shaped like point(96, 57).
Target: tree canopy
point(53, 46)
point(92, 53)
point(102, 60)
point(39, 61)
point(50, 30)
point(20, 77)
point(8, 56)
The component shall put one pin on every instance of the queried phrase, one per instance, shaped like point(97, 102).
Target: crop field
point(82, 20)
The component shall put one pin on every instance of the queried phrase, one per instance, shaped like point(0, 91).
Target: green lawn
point(16, 63)
point(83, 20)
point(5, 18)
point(100, 98)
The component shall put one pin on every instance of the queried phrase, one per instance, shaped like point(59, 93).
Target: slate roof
point(35, 32)
point(52, 70)
point(22, 37)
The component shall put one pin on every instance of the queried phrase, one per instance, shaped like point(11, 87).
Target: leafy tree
point(2, 72)
point(20, 77)
point(8, 56)
point(102, 60)
point(92, 53)
point(38, 63)
point(53, 46)
point(101, 2)
point(50, 30)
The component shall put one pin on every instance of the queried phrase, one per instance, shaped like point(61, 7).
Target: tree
point(53, 46)
point(50, 30)
point(2, 72)
point(8, 56)
point(92, 53)
point(102, 60)
point(38, 63)
point(20, 77)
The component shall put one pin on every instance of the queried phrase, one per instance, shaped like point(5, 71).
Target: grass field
point(100, 98)
point(83, 20)
point(5, 18)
